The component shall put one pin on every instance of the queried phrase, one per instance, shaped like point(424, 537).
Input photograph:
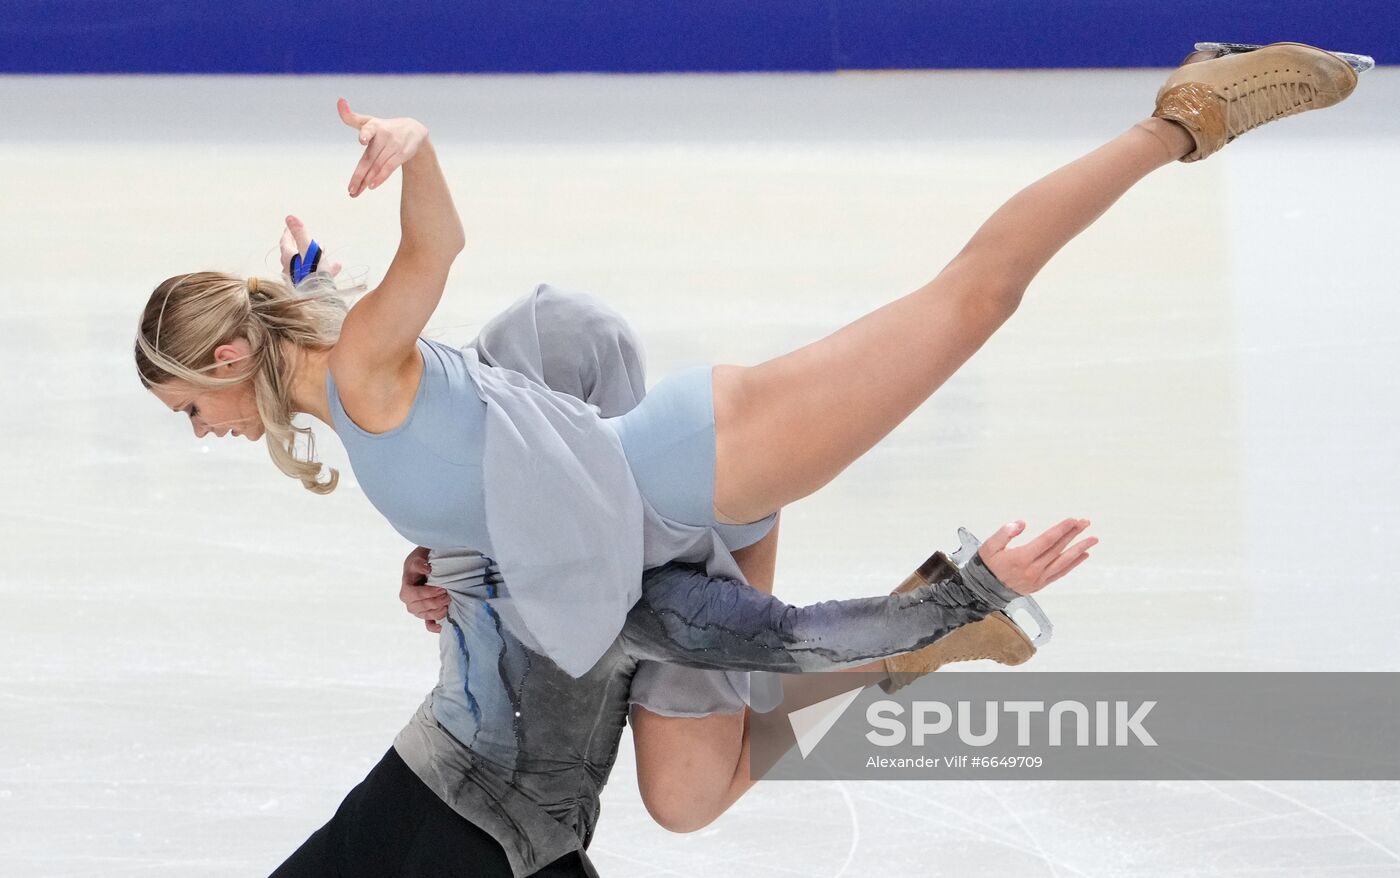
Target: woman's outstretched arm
point(381, 332)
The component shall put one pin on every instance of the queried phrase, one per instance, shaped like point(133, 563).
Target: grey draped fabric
point(572, 347)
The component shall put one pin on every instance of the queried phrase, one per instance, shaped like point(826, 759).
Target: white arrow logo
point(811, 723)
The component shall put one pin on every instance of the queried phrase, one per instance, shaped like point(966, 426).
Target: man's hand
point(1029, 568)
point(426, 602)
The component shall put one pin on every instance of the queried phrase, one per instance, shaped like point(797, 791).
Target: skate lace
point(1265, 103)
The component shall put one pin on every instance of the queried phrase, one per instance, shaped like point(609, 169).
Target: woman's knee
point(674, 799)
point(676, 810)
point(685, 765)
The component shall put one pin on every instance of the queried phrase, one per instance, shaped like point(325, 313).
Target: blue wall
point(398, 36)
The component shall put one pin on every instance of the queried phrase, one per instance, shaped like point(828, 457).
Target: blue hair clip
point(302, 267)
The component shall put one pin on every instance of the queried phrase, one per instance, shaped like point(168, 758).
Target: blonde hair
point(190, 315)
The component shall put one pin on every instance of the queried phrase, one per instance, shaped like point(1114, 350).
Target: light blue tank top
point(425, 475)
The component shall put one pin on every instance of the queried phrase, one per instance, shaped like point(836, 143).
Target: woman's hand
point(388, 144)
point(428, 603)
point(1029, 568)
point(296, 240)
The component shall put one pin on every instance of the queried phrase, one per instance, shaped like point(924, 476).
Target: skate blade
point(1359, 63)
point(1025, 607)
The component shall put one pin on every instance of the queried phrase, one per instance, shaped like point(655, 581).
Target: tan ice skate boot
point(1220, 98)
point(993, 637)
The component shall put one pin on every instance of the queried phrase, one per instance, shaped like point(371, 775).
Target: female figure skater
point(543, 486)
point(500, 771)
point(456, 453)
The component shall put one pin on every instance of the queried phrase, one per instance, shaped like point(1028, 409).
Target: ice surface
point(198, 658)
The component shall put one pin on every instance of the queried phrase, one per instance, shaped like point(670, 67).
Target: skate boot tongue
point(1219, 99)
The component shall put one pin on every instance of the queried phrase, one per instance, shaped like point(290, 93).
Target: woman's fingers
point(296, 240)
point(1038, 546)
point(1064, 566)
point(1073, 564)
point(389, 143)
point(348, 116)
point(300, 235)
point(373, 152)
point(1029, 568)
point(1068, 561)
point(997, 541)
point(288, 247)
point(1050, 554)
point(384, 167)
point(1083, 545)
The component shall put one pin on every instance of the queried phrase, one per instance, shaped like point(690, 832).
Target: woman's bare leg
point(778, 441)
point(687, 767)
point(691, 769)
point(759, 562)
point(786, 427)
